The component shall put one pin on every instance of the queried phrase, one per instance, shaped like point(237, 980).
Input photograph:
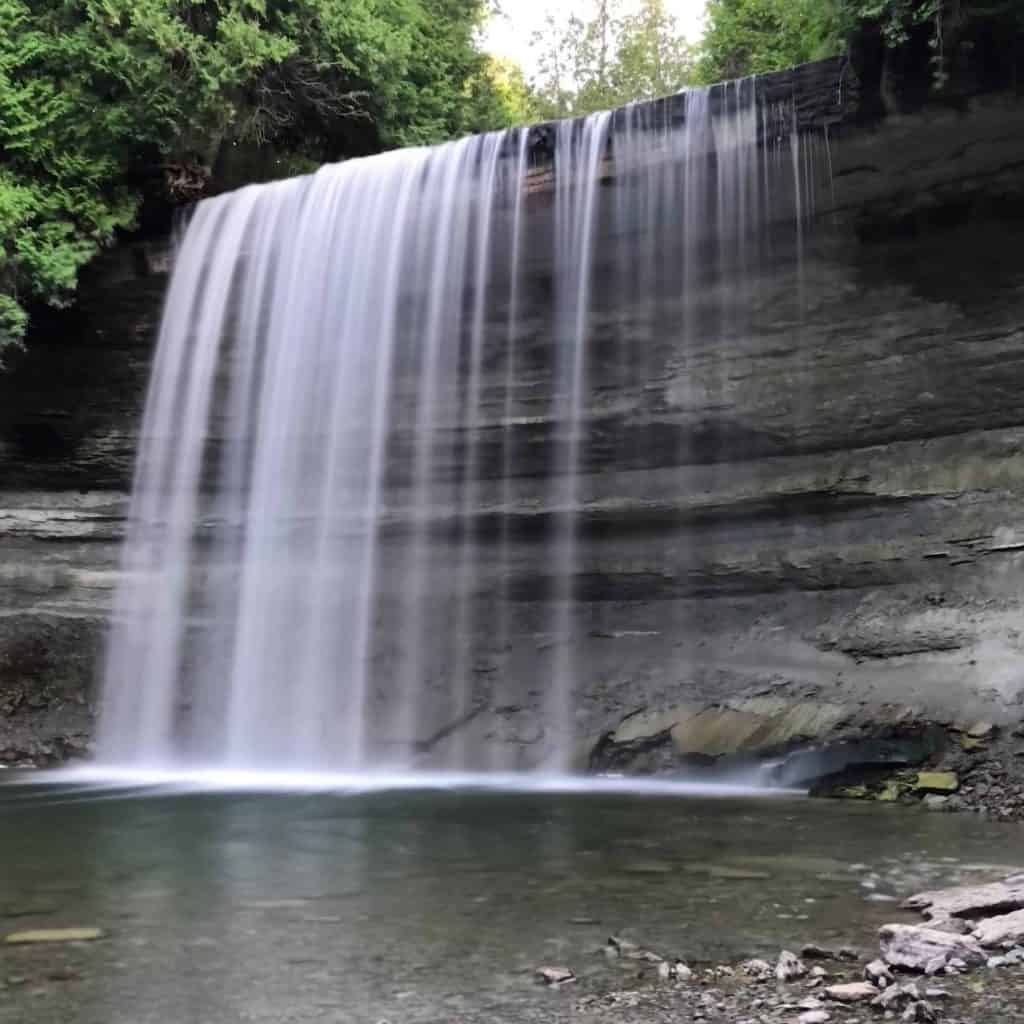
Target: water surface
point(431, 905)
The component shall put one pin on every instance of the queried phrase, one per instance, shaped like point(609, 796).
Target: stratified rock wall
point(70, 408)
point(825, 507)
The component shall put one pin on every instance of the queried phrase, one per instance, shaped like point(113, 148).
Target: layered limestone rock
point(69, 414)
point(789, 521)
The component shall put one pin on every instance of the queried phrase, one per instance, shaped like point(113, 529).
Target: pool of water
point(431, 904)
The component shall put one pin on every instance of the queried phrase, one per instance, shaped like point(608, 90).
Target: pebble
point(853, 992)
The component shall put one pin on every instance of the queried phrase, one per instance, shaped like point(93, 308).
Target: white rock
point(927, 949)
point(681, 972)
point(814, 1017)
point(878, 973)
point(757, 968)
point(1005, 930)
point(852, 992)
point(970, 900)
point(789, 967)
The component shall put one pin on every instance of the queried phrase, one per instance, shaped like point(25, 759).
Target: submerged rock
point(555, 976)
point(40, 935)
point(813, 952)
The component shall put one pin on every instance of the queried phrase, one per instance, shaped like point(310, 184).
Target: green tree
point(98, 95)
point(746, 37)
point(653, 59)
point(620, 54)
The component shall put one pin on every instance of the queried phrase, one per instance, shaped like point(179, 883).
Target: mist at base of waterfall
point(85, 781)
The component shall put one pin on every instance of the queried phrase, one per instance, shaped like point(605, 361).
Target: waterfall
point(324, 568)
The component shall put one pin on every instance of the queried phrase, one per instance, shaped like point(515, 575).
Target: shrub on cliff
point(97, 96)
point(744, 37)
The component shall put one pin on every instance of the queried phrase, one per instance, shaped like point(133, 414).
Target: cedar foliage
point(98, 96)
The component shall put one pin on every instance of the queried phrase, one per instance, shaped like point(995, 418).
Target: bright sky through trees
point(509, 35)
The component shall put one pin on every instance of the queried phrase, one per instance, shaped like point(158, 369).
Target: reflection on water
point(430, 906)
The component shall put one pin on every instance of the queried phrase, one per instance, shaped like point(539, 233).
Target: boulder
point(1002, 932)
point(970, 901)
point(916, 948)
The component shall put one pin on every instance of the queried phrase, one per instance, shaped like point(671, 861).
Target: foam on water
point(226, 780)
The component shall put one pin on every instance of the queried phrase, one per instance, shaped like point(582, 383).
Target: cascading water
point(345, 390)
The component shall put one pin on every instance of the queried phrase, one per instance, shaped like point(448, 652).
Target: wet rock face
point(820, 507)
point(70, 407)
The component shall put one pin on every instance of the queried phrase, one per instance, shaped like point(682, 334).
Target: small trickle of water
point(347, 375)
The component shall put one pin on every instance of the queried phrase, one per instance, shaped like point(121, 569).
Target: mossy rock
point(892, 791)
point(937, 782)
point(853, 792)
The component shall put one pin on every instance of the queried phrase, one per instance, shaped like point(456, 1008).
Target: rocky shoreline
point(963, 966)
point(856, 751)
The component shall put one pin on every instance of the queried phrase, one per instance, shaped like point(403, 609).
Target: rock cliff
point(825, 507)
